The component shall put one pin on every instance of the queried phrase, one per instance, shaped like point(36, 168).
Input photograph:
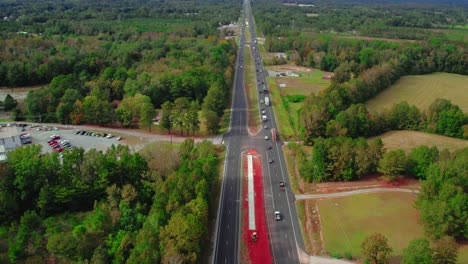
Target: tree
point(212, 121)
point(418, 252)
point(450, 122)
point(443, 202)
point(445, 251)
point(375, 248)
point(9, 103)
point(147, 115)
point(97, 111)
point(166, 119)
point(420, 159)
point(215, 100)
point(66, 105)
point(393, 163)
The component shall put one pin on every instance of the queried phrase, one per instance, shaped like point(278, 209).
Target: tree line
point(113, 207)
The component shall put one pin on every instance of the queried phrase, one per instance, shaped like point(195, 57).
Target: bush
point(348, 255)
point(295, 98)
point(336, 255)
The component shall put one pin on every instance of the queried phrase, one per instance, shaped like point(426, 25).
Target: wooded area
point(113, 207)
point(97, 54)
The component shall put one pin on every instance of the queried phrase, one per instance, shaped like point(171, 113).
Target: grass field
point(347, 221)
point(422, 90)
point(286, 111)
point(408, 140)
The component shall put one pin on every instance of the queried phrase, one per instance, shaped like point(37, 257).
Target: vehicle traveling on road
point(277, 216)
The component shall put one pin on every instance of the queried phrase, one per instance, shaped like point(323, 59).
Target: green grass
point(422, 90)
point(284, 117)
point(463, 254)
point(225, 121)
point(347, 221)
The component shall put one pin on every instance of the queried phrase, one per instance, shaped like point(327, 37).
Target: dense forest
point(391, 19)
point(113, 207)
point(94, 55)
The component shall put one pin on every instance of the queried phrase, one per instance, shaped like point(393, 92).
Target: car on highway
point(266, 138)
point(269, 147)
point(270, 161)
point(282, 186)
point(277, 216)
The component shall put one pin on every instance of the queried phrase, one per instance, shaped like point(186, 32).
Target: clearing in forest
point(422, 90)
point(288, 93)
point(407, 140)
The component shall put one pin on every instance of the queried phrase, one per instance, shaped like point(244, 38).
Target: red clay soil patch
point(259, 251)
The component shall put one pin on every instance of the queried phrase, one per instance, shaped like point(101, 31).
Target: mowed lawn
point(422, 90)
point(407, 140)
point(347, 221)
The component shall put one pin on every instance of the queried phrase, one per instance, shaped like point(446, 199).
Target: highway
point(285, 235)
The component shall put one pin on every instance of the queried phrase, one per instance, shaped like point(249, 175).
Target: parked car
point(58, 149)
point(55, 137)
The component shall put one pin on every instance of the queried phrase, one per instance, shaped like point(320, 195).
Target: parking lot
point(41, 136)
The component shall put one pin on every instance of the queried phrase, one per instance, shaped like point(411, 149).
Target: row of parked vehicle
point(58, 144)
point(94, 134)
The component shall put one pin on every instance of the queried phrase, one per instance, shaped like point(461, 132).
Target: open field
point(346, 222)
point(309, 80)
point(407, 140)
point(284, 117)
point(463, 254)
point(286, 111)
point(422, 90)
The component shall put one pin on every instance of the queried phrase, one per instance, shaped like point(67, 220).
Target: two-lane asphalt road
point(285, 236)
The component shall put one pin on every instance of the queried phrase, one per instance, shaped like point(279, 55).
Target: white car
point(266, 137)
point(277, 216)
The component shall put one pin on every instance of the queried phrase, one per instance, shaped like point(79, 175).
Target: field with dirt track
point(347, 221)
point(407, 140)
point(422, 90)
